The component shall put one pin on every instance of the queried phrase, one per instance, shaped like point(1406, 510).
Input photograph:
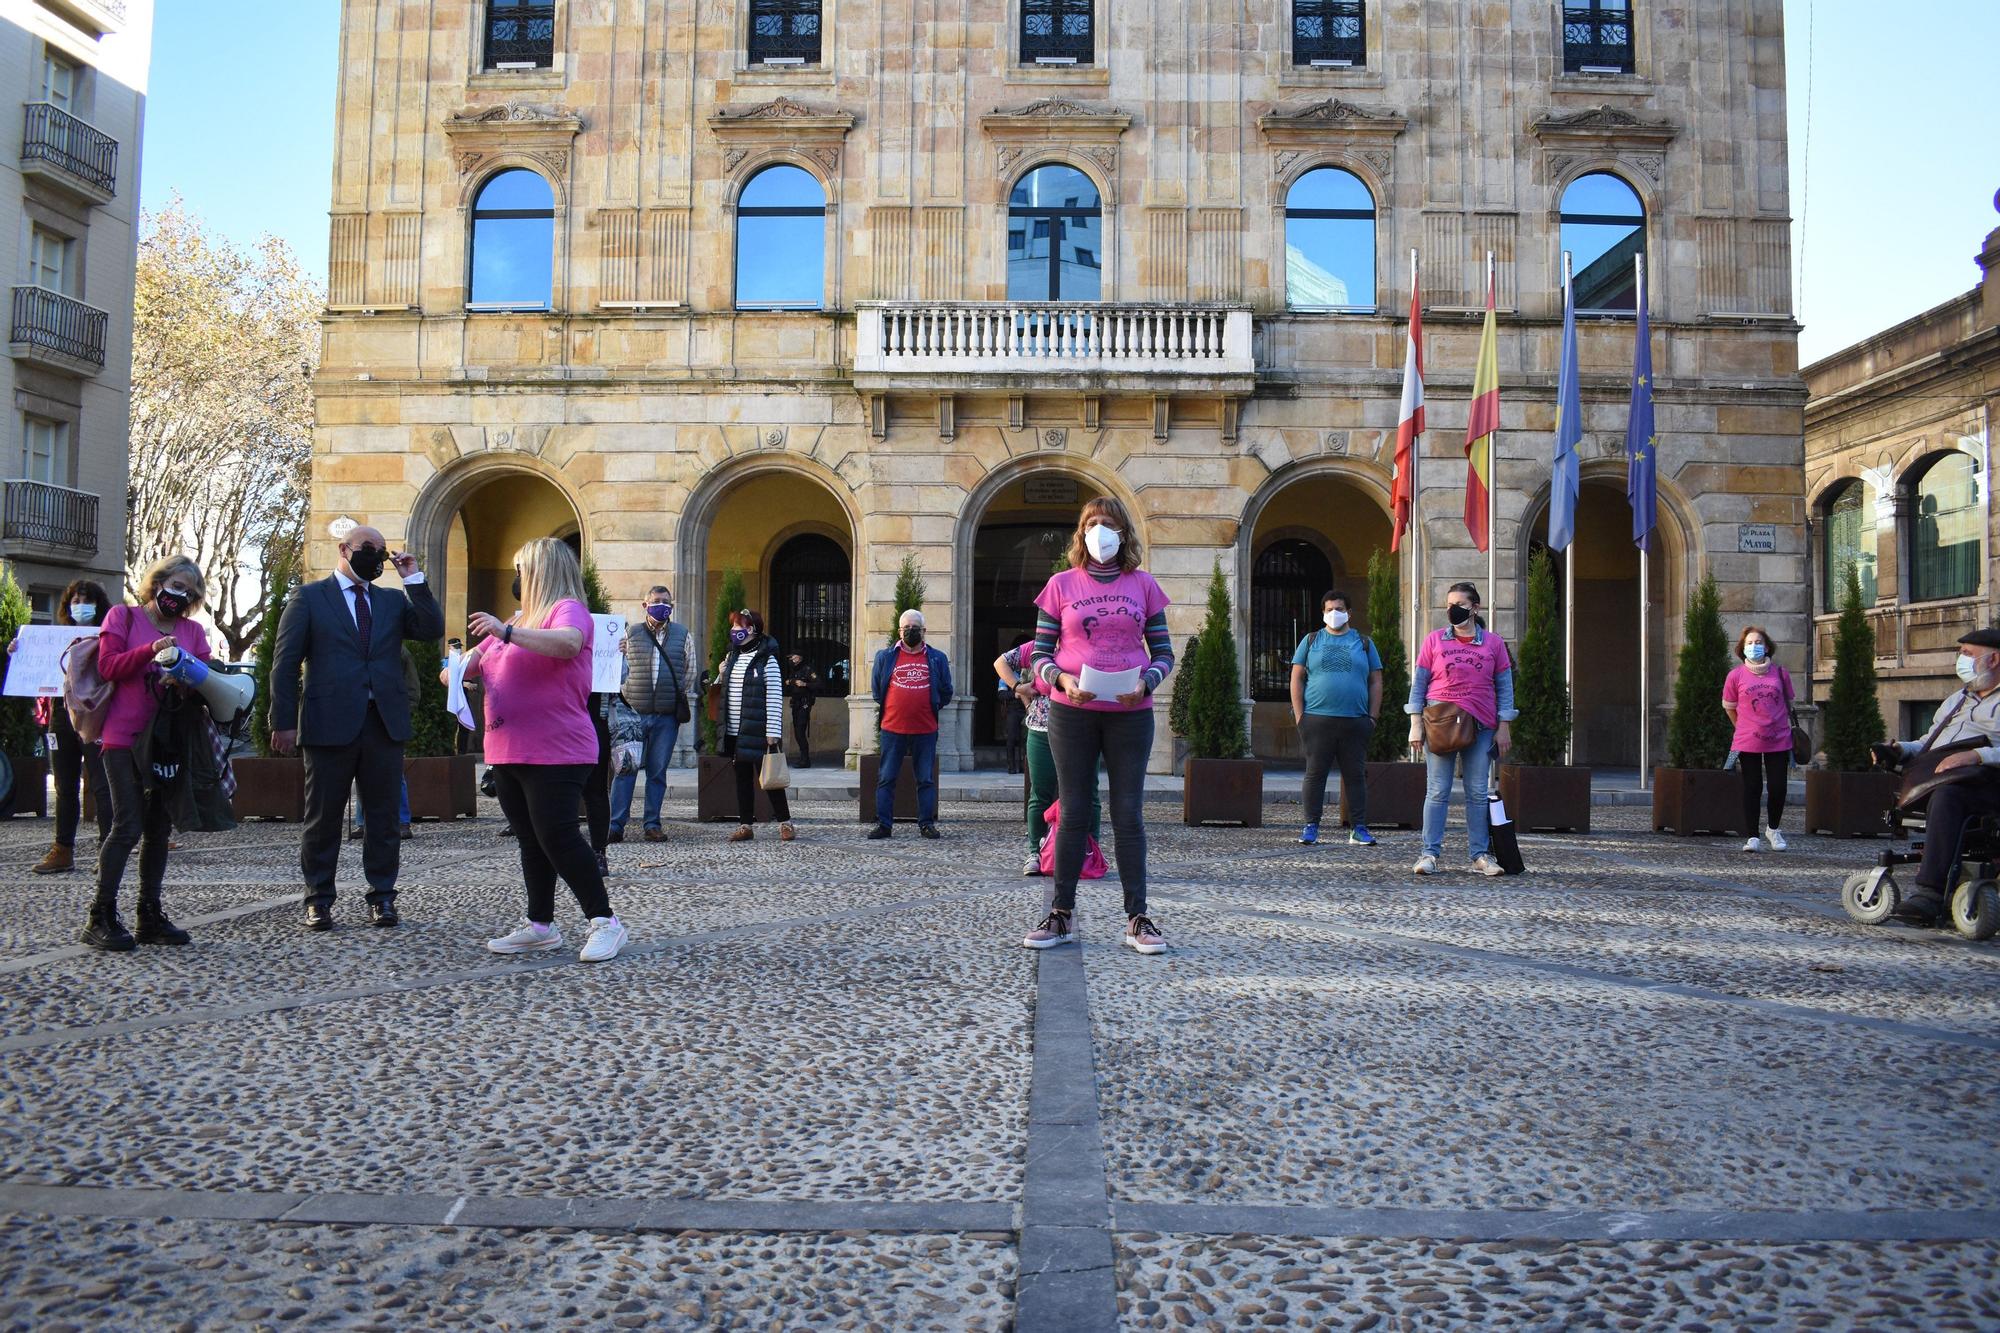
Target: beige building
point(800, 287)
point(69, 209)
point(1899, 429)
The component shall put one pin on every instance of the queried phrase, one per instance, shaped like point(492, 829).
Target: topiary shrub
point(910, 590)
point(284, 582)
point(1541, 732)
point(20, 738)
point(593, 591)
point(1215, 712)
point(1177, 706)
point(1853, 714)
point(1698, 736)
point(1385, 620)
point(731, 599)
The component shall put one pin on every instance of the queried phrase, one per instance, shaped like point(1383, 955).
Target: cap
point(1981, 638)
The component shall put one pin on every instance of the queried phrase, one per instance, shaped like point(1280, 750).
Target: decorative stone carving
point(1597, 130)
point(1334, 442)
point(1054, 122)
point(782, 124)
point(774, 438)
point(1331, 122)
point(539, 134)
point(1055, 437)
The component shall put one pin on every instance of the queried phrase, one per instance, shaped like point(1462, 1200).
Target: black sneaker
point(929, 831)
point(1922, 907)
point(104, 931)
point(878, 832)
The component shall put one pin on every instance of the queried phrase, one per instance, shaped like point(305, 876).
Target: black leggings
point(540, 801)
point(749, 761)
point(74, 764)
point(597, 790)
point(1759, 769)
point(137, 820)
point(1078, 737)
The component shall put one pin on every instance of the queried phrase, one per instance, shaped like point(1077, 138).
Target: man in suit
point(349, 635)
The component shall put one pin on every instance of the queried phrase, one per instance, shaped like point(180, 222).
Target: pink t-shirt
point(537, 706)
point(125, 655)
point(1463, 672)
point(1103, 625)
point(1763, 709)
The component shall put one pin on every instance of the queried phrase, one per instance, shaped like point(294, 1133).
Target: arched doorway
point(812, 607)
point(1311, 535)
point(495, 516)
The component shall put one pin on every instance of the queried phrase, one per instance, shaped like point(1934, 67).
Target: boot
point(105, 931)
point(59, 859)
point(154, 928)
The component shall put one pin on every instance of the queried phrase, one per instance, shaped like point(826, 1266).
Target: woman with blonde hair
point(1103, 614)
point(145, 651)
point(541, 744)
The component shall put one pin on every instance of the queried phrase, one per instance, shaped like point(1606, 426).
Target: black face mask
point(516, 585)
point(367, 562)
point(913, 637)
point(1459, 614)
point(171, 603)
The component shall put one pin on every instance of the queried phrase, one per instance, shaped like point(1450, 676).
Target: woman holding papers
point(83, 604)
point(541, 744)
point(1101, 648)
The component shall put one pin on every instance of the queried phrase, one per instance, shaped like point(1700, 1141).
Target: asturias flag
point(1410, 425)
point(1641, 467)
point(1569, 434)
point(1483, 418)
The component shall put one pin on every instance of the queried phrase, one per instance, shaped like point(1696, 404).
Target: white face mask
point(83, 613)
point(1968, 668)
point(1101, 542)
point(1336, 620)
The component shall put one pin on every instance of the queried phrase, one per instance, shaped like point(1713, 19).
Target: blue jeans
point(403, 817)
point(1477, 763)
point(922, 750)
point(661, 733)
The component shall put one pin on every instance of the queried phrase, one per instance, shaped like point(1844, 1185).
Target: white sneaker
point(1776, 839)
point(607, 937)
point(1753, 844)
point(527, 938)
point(1487, 866)
point(1426, 865)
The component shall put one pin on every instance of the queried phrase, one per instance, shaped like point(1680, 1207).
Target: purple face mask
point(740, 635)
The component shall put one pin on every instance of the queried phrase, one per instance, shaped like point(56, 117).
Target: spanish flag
point(1482, 420)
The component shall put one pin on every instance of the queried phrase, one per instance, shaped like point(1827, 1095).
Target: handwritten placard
point(34, 668)
point(607, 655)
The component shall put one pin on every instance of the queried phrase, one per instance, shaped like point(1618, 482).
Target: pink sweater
point(125, 657)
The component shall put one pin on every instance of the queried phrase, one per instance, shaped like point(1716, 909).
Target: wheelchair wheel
point(1975, 909)
point(1869, 896)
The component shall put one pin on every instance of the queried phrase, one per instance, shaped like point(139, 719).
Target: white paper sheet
point(607, 655)
point(455, 701)
point(34, 668)
point(1108, 684)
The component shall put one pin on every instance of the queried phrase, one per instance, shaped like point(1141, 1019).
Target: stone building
point(799, 287)
point(1899, 429)
point(69, 210)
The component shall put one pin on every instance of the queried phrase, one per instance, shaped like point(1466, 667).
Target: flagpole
point(1493, 491)
point(1413, 610)
point(1645, 600)
point(1569, 583)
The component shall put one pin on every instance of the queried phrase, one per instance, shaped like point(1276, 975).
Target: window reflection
point(513, 242)
point(781, 241)
point(1055, 237)
point(1603, 228)
point(1329, 242)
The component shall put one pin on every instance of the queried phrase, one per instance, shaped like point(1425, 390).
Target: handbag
point(1505, 846)
point(86, 693)
point(1448, 728)
point(683, 714)
point(775, 774)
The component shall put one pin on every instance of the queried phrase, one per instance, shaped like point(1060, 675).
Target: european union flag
point(1641, 467)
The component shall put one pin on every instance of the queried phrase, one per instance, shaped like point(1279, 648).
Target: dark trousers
point(137, 820)
point(749, 760)
point(540, 801)
point(1760, 770)
point(921, 747)
point(1951, 808)
point(1079, 738)
point(597, 788)
point(802, 728)
point(1342, 741)
point(376, 760)
point(1043, 791)
point(1016, 728)
point(74, 764)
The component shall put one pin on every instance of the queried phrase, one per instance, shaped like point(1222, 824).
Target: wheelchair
point(1973, 905)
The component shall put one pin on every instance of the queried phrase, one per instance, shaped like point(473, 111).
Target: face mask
point(913, 636)
point(515, 587)
point(1968, 668)
point(1101, 542)
point(172, 602)
point(83, 612)
point(367, 562)
point(1336, 620)
point(660, 612)
point(1754, 652)
point(740, 635)
point(1458, 614)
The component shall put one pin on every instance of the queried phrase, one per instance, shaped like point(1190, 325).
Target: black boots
point(154, 928)
point(105, 931)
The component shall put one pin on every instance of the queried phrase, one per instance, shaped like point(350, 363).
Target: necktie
point(363, 617)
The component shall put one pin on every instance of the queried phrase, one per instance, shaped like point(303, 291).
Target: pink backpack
point(1093, 855)
point(86, 693)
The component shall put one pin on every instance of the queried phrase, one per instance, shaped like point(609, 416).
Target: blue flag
point(1641, 467)
point(1569, 434)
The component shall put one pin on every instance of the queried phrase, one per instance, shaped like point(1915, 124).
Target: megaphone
point(226, 693)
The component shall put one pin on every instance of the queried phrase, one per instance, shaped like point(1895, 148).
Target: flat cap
point(1981, 638)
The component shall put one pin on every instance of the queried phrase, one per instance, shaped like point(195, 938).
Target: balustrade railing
point(54, 136)
point(1030, 336)
point(35, 511)
point(52, 322)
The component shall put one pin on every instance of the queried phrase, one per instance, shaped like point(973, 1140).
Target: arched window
point(513, 243)
point(811, 600)
point(1944, 529)
point(1603, 228)
point(781, 241)
point(1286, 583)
point(1055, 237)
point(1850, 544)
point(1329, 242)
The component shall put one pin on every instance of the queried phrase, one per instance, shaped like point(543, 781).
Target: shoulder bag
point(1448, 728)
point(683, 714)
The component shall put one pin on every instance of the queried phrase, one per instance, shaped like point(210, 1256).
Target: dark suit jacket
point(317, 631)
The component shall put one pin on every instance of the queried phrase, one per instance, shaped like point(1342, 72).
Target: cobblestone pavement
point(1656, 1084)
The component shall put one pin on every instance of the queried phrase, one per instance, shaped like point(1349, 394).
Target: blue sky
point(1895, 195)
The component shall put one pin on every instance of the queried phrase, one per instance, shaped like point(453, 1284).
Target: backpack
point(1094, 866)
point(86, 693)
